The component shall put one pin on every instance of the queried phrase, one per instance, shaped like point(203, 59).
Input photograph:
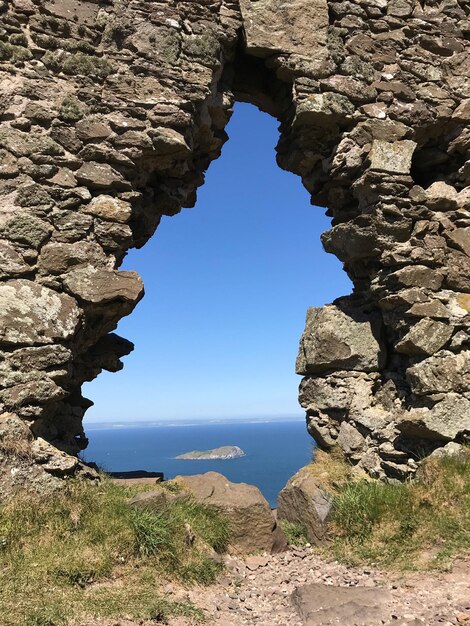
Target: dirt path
point(301, 588)
point(259, 591)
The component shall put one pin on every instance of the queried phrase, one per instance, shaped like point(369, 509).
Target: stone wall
point(112, 110)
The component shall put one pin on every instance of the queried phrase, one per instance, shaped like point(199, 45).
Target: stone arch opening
point(225, 294)
point(111, 113)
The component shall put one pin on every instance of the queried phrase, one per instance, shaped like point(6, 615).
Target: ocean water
point(274, 450)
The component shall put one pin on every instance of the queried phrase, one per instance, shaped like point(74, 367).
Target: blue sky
point(227, 287)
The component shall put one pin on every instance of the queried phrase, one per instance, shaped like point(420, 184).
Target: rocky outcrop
point(110, 113)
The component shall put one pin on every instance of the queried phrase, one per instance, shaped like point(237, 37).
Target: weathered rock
point(26, 229)
point(323, 106)
point(39, 391)
point(350, 440)
point(392, 157)
point(325, 605)
point(100, 176)
point(13, 429)
point(425, 337)
point(417, 276)
point(102, 286)
point(251, 521)
point(58, 258)
point(339, 339)
point(447, 420)
point(49, 358)
point(26, 144)
point(52, 460)
point(303, 501)
point(441, 196)
point(92, 130)
point(11, 263)
point(109, 208)
point(444, 373)
point(287, 27)
point(450, 449)
point(460, 239)
point(31, 314)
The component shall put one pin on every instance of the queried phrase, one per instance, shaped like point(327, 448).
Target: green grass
point(420, 524)
point(296, 534)
point(85, 552)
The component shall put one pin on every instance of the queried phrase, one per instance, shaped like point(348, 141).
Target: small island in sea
point(224, 453)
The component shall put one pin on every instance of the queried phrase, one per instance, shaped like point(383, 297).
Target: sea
point(274, 450)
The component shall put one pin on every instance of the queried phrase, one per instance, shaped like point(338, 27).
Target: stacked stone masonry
point(110, 113)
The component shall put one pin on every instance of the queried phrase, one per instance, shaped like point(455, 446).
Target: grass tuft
point(420, 524)
point(296, 534)
point(96, 556)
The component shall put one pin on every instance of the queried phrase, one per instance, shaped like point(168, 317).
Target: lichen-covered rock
point(286, 27)
point(392, 157)
point(109, 208)
point(426, 337)
point(339, 338)
point(447, 420)
point(103, 286)
point(445, 372)
point(31, 314)
point(11, 262)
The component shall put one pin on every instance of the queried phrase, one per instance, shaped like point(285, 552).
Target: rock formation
point(111, 112)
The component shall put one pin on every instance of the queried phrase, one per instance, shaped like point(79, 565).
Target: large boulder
point(252, 523)
point(339, 339)
point(304, 502)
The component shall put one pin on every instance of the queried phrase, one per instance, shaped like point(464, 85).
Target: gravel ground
point(258, 591)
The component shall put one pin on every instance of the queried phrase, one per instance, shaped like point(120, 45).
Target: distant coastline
point(193, 422)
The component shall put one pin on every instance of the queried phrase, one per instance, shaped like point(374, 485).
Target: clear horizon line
point(187, 420)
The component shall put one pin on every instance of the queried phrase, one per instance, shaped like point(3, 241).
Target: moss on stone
point(10, 52)
point(18, 39)
point(54, 25)
point(52, 60)
point(46, 41)
point(205, 47)
point(76, 46)
point(71, 109)
point(32, 195)
point(80, 63)
point(26, 229)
